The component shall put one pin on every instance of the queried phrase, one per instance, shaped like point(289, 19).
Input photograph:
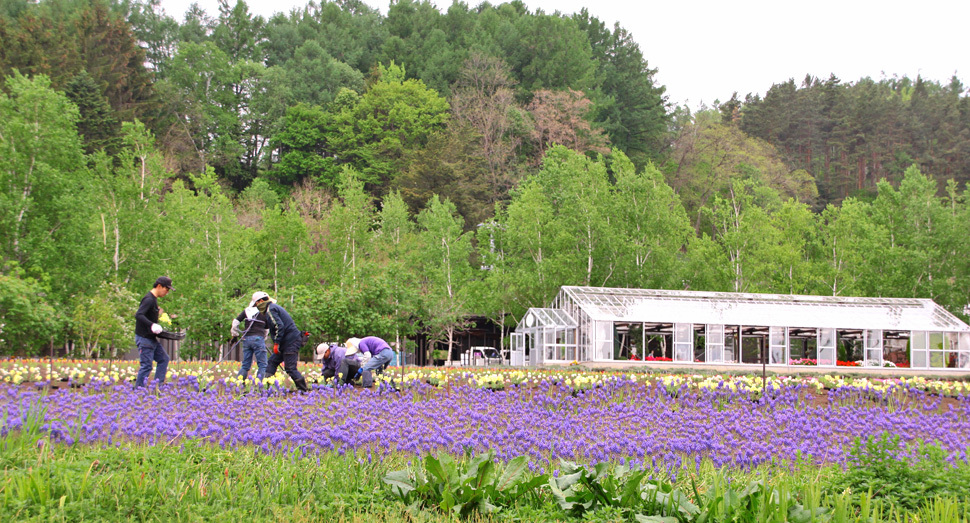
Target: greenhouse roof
point(735, 308)
point(548, 318)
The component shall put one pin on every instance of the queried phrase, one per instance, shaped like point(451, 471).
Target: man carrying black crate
point(146, 331)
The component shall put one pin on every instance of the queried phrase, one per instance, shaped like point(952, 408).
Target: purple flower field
point(629, 421)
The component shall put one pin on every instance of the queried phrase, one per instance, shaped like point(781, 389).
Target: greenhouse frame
point(600, 324)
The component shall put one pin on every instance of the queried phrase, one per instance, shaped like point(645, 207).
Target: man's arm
point(141, 315)
point(234, 330)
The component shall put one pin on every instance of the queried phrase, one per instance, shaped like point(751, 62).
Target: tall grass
point(193, 480)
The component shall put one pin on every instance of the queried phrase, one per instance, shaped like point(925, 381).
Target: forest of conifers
point(395, 174)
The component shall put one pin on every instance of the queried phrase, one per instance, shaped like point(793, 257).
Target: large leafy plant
point(579, 490)
point(466, 486)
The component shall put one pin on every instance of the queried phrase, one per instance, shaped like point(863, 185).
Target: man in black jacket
point(146, 329)
point(286, 342)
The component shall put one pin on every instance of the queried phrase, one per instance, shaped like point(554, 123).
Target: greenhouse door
point(874, 347)
point(683, 342)
point(826, 348)
point(714, 338)
point(777, 345)
point(517, 356)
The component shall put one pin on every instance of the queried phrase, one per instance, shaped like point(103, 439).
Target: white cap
point(352, 343)
point(258, 295)
point(322, 348)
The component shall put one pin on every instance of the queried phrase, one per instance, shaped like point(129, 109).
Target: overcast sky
point(704, 50)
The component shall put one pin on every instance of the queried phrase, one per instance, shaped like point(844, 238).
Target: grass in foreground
point(196, 481)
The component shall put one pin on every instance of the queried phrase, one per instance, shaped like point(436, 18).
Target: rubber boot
point(367, 379)
point(301, 385)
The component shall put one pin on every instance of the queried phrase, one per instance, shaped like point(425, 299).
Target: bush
point(880, 464)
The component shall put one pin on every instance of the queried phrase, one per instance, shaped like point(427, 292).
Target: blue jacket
point(281, 326)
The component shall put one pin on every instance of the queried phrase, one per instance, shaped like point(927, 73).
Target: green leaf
point(655, 519)
point(513, 471)
point(559, 495)
point(435, 469)
point(447, 500)
point(630, 495)
point(400, 482)
point(568, 480)
point(486, 471)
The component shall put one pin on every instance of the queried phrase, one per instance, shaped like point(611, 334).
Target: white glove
point(156, 328)
point(235, 328)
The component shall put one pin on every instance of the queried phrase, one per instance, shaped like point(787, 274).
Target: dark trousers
point(289, 356)
point(347, 370)
point(149, 351)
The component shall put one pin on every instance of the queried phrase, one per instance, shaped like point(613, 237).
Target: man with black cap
point(287, 341)
point(146, 329)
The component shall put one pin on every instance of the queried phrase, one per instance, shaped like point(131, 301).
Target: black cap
point(164, 281)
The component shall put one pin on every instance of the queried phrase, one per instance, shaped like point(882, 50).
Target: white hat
point(258, 295)
point(353, 345)
point(322, 348)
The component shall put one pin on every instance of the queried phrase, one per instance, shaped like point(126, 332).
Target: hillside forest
point(398, 174)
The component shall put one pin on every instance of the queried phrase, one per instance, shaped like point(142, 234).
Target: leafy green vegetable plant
point(472, 485)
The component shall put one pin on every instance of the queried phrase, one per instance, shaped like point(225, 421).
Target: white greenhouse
point(599, 324)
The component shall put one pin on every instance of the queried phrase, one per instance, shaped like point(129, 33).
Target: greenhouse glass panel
point(777, 343)
point(683, 342)
point(517, 356)
point(604, 340)
point(963, 360)
point(715, 343)
point(919, 360)
point(826, 347)
point(874, 354)
point(549, 344)
point(919, 356)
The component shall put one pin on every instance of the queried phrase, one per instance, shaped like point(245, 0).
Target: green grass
point(198, 481)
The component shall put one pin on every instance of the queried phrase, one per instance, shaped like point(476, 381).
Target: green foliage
point(880, 465)
point(324, 146)
point(27, 320)
point(579, 490)
point(97, 124)
point(302, 145)
point(851, 135)
point(474, 484)
point(103, 319)
point(630, 107)
point(45, 208)
point(136, 482)
point(259, 192)
point(373, 132)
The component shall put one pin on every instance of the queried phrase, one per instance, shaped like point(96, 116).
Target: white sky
point(705, 50)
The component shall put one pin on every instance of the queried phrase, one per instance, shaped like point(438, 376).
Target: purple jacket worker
point(381, 356)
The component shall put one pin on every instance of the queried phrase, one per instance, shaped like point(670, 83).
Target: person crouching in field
point(253, 336)
point(381, 355)
point(342, 362)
